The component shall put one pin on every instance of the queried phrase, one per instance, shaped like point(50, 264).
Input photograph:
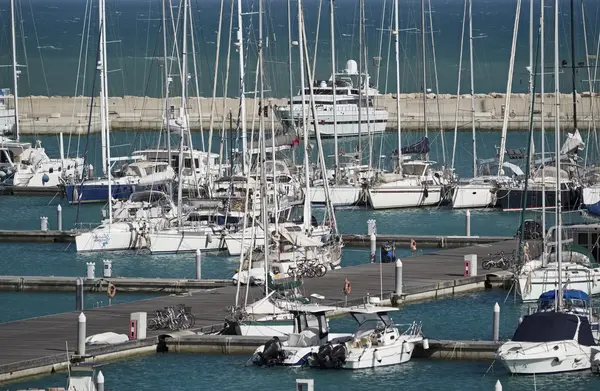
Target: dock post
point(107, 271)
point(373, 247)
point(59, 217)
point(81, 334)
point(79, 294)
point(91, 270)
point(305, 384)
point(44, 224)
point(198, 264)
point(468, 228)
point(371, 227)
point(496, 329)
point(398, 290)
point(100, 381)
point(497, 387)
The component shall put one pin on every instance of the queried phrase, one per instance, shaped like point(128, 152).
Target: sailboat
point(414, 182)
point(24, 167)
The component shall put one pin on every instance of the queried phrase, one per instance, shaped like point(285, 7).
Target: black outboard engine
point(388, 251)
point(271, 355)
point(329, 356)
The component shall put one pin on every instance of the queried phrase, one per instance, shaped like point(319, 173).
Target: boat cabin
point(375, 327)
point(305, 332)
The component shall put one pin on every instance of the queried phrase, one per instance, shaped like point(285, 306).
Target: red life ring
point(347, 287)
point(111, 290)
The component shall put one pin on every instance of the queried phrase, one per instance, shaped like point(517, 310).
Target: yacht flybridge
point(349, 114)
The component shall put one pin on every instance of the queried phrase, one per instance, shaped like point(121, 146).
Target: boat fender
point(377, 355)
point(347, 287)
point(425, 344)
point(111, 290)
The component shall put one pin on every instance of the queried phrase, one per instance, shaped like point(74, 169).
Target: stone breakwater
point(51, 115)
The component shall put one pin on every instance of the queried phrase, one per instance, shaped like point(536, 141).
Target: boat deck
point(25, 342)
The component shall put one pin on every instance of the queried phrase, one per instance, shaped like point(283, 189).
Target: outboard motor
point(271, 355)
point(388, 253)
point(329, 356)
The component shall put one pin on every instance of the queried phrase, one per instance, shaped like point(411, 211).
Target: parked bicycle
point(498, 261)
point(308, 269)
point(173, 318)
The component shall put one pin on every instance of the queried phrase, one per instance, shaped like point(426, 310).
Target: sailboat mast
point(240, 45)
point(360, 79)
point(104, 104)
point(511, 69)
point(15, 69)
point(334, 89)
point(166, 86)
point(263, 154)
point(573, 81)
point(472, 89)
point(291, 74)
point(307, 209)
point(397, 53)
point(543, 131)
point(557, 154)
point(182, 112)
point(424, 70)
point(101, 67)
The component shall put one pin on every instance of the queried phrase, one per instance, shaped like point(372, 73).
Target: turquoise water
point(52, 35)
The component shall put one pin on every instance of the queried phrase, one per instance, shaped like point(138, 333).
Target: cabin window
point(51, 170)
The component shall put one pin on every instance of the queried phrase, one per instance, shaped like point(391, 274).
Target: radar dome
point(351, 67)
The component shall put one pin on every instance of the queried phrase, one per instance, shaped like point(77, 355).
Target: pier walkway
point(38, 342)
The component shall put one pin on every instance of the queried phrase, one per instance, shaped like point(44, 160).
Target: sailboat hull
point(339, 195)
point(511, 199)
point(404, 196)
point(530, 358)
point(92, 193)
point(473, 196)
point(118, 236)
point(173, 241)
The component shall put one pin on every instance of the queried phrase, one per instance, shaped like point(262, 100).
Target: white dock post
point(496, 329)
point(468, 228)
point(497, 387)
point(305, 385)
point(81, 334)
point(373, 247)
point(59, 217)
point(100, 381)
point(198, 264)
point(107, 271)
point(44, 224)
point(91, 270)
point(79, 294)
point(398, 291)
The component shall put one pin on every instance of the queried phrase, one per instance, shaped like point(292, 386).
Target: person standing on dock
point(413, 247)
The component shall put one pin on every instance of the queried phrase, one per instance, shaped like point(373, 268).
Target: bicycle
point(502, 262)
point(174, 318)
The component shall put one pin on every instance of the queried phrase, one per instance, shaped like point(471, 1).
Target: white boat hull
point(233, 242)
point(379, 356)
point(339, 195)
point(276, 328)
point(529, 358)
point(173, 241)
point(113, 239)
point(473, 196)
point(396, 197)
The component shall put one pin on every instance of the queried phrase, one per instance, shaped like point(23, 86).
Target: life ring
point(413, 246)
point(347, 287)
point(111, 290)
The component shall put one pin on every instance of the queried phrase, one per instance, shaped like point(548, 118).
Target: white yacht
point(306, 338)
point(347, 107)
point(417, 185)
point(377, 342)
point(549, 342)
point(127, 228)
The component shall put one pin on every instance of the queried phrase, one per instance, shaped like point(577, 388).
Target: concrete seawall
point(51, 115)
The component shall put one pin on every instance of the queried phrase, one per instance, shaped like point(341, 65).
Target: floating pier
point(351, 240)
point(37, 346)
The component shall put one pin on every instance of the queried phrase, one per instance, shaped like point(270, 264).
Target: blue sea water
point(51, 35)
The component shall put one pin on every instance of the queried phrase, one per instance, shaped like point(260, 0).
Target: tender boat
point(376, 343)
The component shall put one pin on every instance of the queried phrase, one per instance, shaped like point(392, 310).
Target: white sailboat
point(414, 183)
point(551, 341)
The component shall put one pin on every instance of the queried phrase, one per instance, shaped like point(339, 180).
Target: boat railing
point(81, 226)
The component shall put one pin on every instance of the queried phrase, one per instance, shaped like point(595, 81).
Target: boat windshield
point(375, 321)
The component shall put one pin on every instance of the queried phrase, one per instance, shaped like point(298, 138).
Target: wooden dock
point(351, 240)
point(35, 346)
point(123, 284)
